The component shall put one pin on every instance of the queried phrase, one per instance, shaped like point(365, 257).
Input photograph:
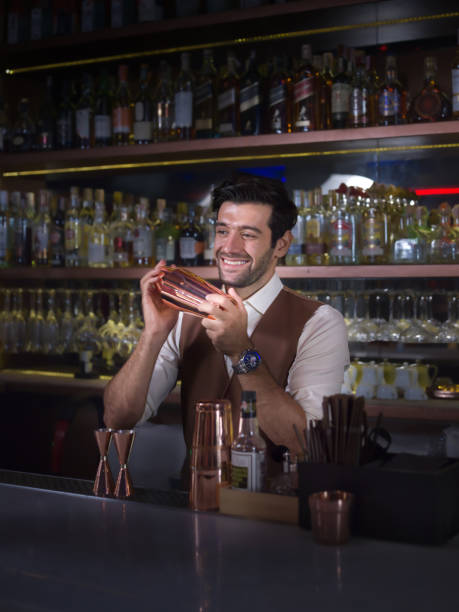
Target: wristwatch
point(249, 360)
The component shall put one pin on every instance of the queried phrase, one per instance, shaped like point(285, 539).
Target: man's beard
point(250, 275)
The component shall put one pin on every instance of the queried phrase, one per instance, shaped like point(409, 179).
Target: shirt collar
point(262, 299)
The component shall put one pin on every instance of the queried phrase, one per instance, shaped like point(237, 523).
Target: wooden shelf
point(423, 410)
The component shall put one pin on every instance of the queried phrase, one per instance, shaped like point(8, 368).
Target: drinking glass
point(388, 330)
point(416, 333)
point(50, 331)
point(109, 333)
point(17, 323)
point(66, 325)
point(448, 331)
point(36, 322)
point(5, 322)
point(130, 337)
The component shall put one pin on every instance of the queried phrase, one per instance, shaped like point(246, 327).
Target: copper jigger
point(210, 453)
point(124, 439)
point(103, 484)
point(183, 290)
point(330, 516)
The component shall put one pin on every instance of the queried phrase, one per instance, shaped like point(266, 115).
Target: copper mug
point(210, 453)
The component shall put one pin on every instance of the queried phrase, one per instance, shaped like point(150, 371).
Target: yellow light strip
point(49, 373)
point(233, 158)
point(232, 42)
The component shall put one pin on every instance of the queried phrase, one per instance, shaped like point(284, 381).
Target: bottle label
point(183, 109)
point(340, 97)
point(161, 248)
point(389, 103)
point(249, 97)
point(143, 130)
point(247, 470)
point(203, 124)
point(341, 238)
point(303, 89)
point(455, 89)
point(277, 95)
point(96, 253)
point(40, 241)
point(406, 250)
point(227, 98)
point(203, 92)
point(83, 118)
point(102, 127)
point(56, 237)
point(314, 238)
point(372, 237)
point(143, 243)
point(187, 246)
point(3, 241)
point(359, 106)
point(121, 120)
point(297, 246)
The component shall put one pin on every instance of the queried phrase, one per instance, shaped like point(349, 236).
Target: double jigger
point(104, 485)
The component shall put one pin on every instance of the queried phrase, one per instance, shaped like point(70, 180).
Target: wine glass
point(388, 330)
point(50, 330)
point(17, 323)
point(415, 333)
point(131, 334)
point(36, 322)
point(5, 322)
point(66, 325)
point(109, 333)
point(448, 331)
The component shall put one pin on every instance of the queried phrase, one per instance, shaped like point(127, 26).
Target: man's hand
point(158, 317)
point(227, 328)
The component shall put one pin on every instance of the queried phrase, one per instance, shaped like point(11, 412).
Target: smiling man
point(261, 336)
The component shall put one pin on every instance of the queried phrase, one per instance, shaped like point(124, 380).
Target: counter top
point(61, 551)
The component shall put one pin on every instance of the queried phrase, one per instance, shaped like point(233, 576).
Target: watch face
point(251, 359)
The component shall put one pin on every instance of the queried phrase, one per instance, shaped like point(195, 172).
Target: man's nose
point(234, 242)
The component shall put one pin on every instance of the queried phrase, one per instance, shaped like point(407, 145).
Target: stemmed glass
point(5, 322)
point(50, 330)
point(354, 330)
point(365, 329)
point(426, 318)
point(109, 333)
point(66, 325)
point(131, 335)
point(448, 331)
point(388, 330)
point(17, 337)
point(36, 322)
point(415, 333)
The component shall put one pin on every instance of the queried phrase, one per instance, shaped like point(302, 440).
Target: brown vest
point(202, 368)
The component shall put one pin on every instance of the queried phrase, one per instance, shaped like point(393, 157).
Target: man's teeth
point(234, 262)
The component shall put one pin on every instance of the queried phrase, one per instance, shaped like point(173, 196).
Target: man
point(262, 336)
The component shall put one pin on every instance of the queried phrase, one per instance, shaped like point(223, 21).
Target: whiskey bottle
point(248, 451)
point(315, 230)
point(390, 96)
point(373, 90)
point(373, 234)
point(431, 103)
point(279, 112)
point(84, 114)
point(166, 233)
point(191, 242)
point(24, 215)
point(57, 235)
point(122, 113)
point(23, 132)
point(143, 241)
point(4, 230)
point(122, 235)
point(65, 117)
point(86, 221)
point(41, 227)
point(359, 96)
point(46, 123)
point(103, 112)
point(325, 82)
point(304, 94)
point(296, 253)
point(99, 241)
point(143, 110)
point(205, 102)
point(340, 96)
point(250, 98)
point(183, 100)
point(228, 121)
point(73, 230)
point(164, 104)
point(455, 82)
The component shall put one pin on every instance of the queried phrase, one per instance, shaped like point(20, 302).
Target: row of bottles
point(378, 226)
point(280, 96)
point(77, 231)
point(41, 19)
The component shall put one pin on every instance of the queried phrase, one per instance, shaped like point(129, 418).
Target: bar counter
point(63, 551)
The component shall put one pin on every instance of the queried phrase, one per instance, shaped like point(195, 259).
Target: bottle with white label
point(183, 100)
point(143, 110)
point(143, 242)
point(248, 451)
point(99, 241)
point(121, 111)
point(304, 94)
point(250, 98)
point(103, 112)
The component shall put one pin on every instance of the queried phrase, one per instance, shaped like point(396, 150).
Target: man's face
point(243, 251)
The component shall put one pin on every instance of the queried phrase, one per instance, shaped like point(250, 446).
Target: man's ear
point(283, 243)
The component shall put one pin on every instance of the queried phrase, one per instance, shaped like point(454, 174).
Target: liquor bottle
point(41, 19)
point(4, 230)
point(191, 240)
point(57, 235)
point(431, 103)
point(304, 94)
point(143, 110)
point(164, 104)
point(93, 15)
point(248, 451)
point(390, 103)
point(41, 230)
point(84, 114)
point(122, 235)
point(166, 233)
point(143, 248)
point(103, 112)
point(23, 132)
point(65, 116)
point(65, 17)
point(324, 91)
point(207, 223)
point(455, 82)
point(374, 244)
point(150, 10)
point(17, 30)
point(340, 96)
point(25, 212)
point(373, 90)
point(4, 126)
point(250, 98)
point(296, 253)
point(46, 124)
point(99, 239)
point(342, 231)
point(407, 243)
point(183, 100)
point(73, 230)
point(279, 119)
point(228, 121)
point(122, 13)
point(86, 220)
point(359, 96)
point(122, 113)
point(315, 230)
point(205, 102)
point(441, 246)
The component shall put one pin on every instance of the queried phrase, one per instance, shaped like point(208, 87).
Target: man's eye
point(221, 232)
point(247, 236)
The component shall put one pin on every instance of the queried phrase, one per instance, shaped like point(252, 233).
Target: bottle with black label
point(143, 110)
point(250, 98)
point(191, 242)
point(228, 98)
point(304, 94)
point(205, 102)
point(279, 119)
point(340, 96)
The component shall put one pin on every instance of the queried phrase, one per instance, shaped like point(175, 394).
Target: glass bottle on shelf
point(46, 124)
point(23, 131)
point(41, 227)
point(84, 114)
point(431, 103)
point(73, 230)
point(25, 212)
point(359, 96)
point(41, 20)
point(57, 235)
point(373, 90)
point(4, 124)
point(390, 96)
point(99, 241)
point(441, 245)
point(455, 230)
point(315, 231)
point(248, 451)
point(325, 83)
point(121, 110)
point(205, 102)
point(164, 104)
point(166, 233)
point(207, 222)
point(408, 245)
point(228, 120)
point(143, 109)
point(103, 112)
point(86, 221)
point(183, 100)
point(191, 240)
point(279, 118)
point(304, 93)
point(342, 232)
point(340, 95)
point(455, 82)
point(4, 230)
point(122, 235)
point(250, 98)
point(143, 243)
point(50, 330)
point(296, 255)
point(65, 116)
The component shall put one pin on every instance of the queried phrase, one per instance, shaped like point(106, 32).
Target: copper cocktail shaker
point(211, 453)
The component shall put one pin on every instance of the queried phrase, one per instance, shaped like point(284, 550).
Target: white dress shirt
point(317, 370)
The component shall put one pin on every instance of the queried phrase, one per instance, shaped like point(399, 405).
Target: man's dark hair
point(259, 190)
